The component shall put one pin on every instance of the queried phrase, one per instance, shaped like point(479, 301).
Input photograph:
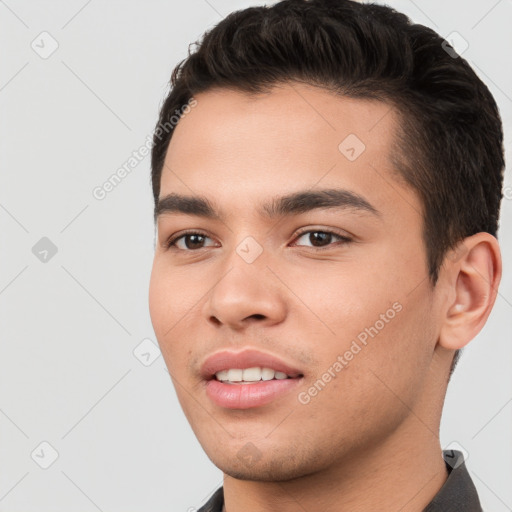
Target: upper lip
point(247, 358)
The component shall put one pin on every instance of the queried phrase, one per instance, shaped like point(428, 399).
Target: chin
point(276, 469)
point(271, 473)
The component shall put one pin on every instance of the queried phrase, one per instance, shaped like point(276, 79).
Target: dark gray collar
point(458, 493)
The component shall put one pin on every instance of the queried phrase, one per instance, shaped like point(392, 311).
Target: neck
point(403, 473)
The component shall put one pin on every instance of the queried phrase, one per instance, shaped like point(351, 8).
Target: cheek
point(343, 298)
point(157, 298)
point(165, 307)
point(171, 297)
point(173, 302)
point(366, 311)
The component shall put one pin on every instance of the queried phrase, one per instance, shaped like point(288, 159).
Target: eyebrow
point(291, 204)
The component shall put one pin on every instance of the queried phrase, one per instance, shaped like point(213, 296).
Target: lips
point(248, 358)
point(246, 395)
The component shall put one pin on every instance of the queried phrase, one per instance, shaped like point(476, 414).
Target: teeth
point(254, 374)
point(223, 375)
point(235, 375)
point(267, 374)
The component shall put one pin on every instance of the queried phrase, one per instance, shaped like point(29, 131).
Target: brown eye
point(188, 241)
point(193, 241)
point(321, 239)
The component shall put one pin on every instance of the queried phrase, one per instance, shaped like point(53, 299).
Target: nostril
point(215, 320)
point(257, 316)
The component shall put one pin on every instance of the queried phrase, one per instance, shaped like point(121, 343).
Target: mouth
point(247, 379)
point(251, 375)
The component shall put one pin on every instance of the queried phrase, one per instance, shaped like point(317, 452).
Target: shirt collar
point(458, 494)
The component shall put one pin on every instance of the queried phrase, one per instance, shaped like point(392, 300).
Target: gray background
point(70, 324)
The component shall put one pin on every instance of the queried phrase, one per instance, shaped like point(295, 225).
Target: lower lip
point(246, 396)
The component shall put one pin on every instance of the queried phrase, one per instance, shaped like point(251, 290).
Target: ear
point(473, 271)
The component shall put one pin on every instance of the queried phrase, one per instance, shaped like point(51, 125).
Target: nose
point(246, 294)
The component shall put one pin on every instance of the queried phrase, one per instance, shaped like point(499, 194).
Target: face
point(305, 258)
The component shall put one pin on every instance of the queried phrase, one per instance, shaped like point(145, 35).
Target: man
point(327, 212)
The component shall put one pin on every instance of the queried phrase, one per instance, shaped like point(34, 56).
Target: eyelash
point(171, 242)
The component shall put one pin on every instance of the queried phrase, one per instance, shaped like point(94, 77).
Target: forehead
point(240, 147)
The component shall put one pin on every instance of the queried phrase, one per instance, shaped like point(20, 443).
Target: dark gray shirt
point(458, 493)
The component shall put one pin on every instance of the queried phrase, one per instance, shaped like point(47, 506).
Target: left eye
point(322, 239)
point(191, 241)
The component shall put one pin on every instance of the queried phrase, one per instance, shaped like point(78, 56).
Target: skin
point(369, 440)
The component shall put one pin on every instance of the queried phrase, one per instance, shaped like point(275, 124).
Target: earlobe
point(474, 271)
